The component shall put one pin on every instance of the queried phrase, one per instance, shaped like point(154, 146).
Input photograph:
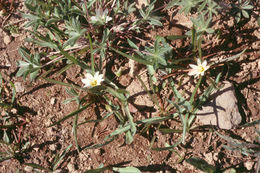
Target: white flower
point(101, 17)
point(198, 69)
point(92, 81)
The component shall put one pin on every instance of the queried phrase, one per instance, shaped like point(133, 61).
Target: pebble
point(19, 87)
point(52, 147)
point(71, 167)
point(28, 168)
point(215, 156)
point(53, 101)
point(7, 39)
point(14, 111)
point(249, 165)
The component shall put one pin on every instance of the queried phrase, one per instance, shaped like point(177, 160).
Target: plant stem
point(195, 91)
point(91, 54)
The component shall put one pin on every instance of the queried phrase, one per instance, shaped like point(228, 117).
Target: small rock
point(221, 109)
point(60, 171)
point(249, 165)
point(141, 3)
point(36, 149)
point(209, 158)
point(215, 156)
point(28, 168)
point(14, 111)
point(7, 39)
point(51, 132)
point(53, 101)
point(96, 151)
point(19, 87)
point(71, 167)
point(52, 147)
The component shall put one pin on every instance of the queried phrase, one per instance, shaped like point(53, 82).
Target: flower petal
point(192, 72)
point(193, 66)
point(198, 62)
point(204, 63)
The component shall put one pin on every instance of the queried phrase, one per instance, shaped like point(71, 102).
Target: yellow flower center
point(93, 83)
point(201, 69)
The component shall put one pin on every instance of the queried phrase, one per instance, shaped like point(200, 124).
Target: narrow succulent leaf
point(126, 170)
point(51, 21)
point(98, 120)
point(168, 147)
point(13, 91)
point(155, 120)
point(176, 37)
point(118, 131)
point(201, 164)
point(107, 141)
point(24, 53)
point(74, 130)
point(251, 123)
point(98, 170)
point(71, 114)
point(135, 58)
point(61, 156)
point(132, 44)
point(129, 137)
point(37, 166)
point(230, 58)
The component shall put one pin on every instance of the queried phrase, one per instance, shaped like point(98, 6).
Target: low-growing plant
point(55, 163)
point(11, 125)
point(240, 9)
point(246, 148)
point(88, 34)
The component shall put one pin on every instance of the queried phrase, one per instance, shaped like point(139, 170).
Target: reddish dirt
point(41, 104)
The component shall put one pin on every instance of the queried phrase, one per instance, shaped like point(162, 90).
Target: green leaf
point(135, 58)
point(6, 138)
point(24, 53)
point(51, 21)
point(176, 37)
point(129, 137)
point(127, 170)
point(245, 14)
point(42, 43)
point(155, 119)
point(13, 91)
point(37, 166)
point(60, 157)
point(201, 164)
point(169, 147)
point(132, 44)
point(119, 131)
point(230, 58)
point(99, 145)
point(251, 123)
point(71, 114)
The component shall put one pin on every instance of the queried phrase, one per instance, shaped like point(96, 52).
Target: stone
point(52, 147)
point(209, 158)
point(19, 87)
point(141, 3)
point(28, 169)
point(53, 100)
point(71, 167)
point(249, 165)
point(221, 109)
point(7, 39)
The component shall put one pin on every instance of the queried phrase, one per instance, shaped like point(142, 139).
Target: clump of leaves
point(246, 148)
point(55, 163)
point(241, 9)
